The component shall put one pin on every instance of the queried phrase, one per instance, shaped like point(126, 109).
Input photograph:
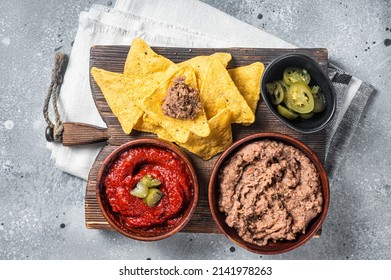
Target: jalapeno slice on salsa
point(153, 197)
point(296, 75)
point(146, 189)
point(140, 190)
point(149, 181)
point(300, 98)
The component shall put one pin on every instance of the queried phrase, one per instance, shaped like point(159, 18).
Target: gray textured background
point(42, 209)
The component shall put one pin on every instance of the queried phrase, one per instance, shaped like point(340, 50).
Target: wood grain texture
point(112, 58)
point(81, 133)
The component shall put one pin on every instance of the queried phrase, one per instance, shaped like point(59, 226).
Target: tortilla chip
point(142, 61)
point(200, 64)
point(152, 104)
point(219, 92)
point(115, 88)
point(137, 95)
point(248, 81)
point(224, 57)
point(219, 139)
point(147, 124)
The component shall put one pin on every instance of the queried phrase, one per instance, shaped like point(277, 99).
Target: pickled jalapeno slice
point(286, 113)
point(153, 197)
point(140, 190)
point(276, 92)
point(146, 189)
point(307, 116)
point(296, 75)
point(294, 96)
point(320, 103)
point(150, 182)
point(300, 98)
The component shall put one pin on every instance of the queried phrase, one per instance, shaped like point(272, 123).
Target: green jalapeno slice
point(300, 98)
point(296, 75)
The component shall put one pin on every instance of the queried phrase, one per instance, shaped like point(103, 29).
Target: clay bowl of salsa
point(173, 198)
point(259, 187)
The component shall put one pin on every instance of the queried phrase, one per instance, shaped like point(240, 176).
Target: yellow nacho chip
point(147, 124)
point(148, 66)
point(200, 64)
point(136, 97)
point(142, 61)
point(219, 92)
point(248, 81)
point(115, 88)
point(152, 104)
point(219, 139)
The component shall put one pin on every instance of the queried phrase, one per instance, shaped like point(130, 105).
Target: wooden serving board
point(112, 58)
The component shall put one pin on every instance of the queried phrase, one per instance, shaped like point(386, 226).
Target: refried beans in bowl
point(269, 193)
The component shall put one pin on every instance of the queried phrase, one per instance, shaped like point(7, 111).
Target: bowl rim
point(322, 74)
point(286, 139)
point(148, 142)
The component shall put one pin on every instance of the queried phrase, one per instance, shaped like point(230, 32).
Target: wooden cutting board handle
point(81, 133)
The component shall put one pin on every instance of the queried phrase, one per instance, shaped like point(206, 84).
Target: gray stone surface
point(42, 209)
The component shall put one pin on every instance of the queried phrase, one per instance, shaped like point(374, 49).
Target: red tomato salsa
point(162, 164)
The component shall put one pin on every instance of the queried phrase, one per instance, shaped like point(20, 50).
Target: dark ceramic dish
point(138, 233)
point(279, 246)
point(274, 71)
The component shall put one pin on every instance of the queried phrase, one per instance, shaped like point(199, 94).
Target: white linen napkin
point(161, 23)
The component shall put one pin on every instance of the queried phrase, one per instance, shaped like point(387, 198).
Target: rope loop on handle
point(54, 130)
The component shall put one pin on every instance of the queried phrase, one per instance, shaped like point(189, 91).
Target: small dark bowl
point(274, 71)
point(279, 246)
point(157, 233)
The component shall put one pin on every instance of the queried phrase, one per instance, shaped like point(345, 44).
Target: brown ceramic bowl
point(156, 232)
point(271, 247)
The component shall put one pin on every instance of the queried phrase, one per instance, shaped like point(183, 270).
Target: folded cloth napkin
point(161, 23)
